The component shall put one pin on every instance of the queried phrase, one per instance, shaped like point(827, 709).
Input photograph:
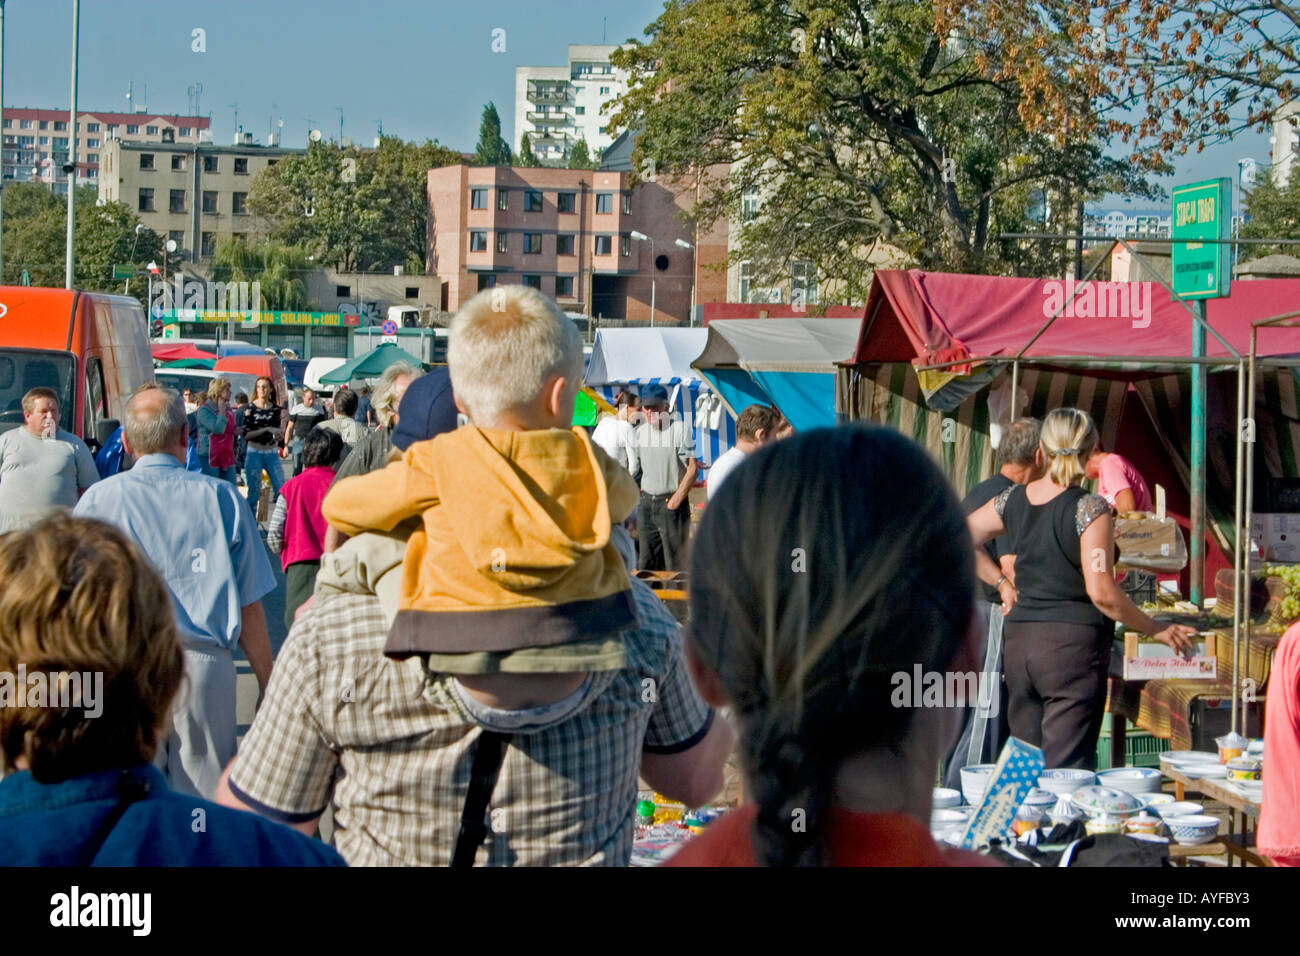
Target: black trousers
point(1056, 685)
point(300, 581)
point(662, 534)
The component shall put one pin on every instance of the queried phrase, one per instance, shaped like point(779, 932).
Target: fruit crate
point(1141, 749)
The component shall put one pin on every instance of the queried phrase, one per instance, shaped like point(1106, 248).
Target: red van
point(257, 365)
point(92, 348)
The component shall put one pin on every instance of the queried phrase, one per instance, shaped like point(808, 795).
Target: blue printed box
point(1016, 773)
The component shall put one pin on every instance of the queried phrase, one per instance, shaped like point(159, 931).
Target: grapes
point(1289, 608)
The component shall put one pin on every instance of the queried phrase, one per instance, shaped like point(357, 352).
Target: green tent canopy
point(370, 365)
point(190, 363)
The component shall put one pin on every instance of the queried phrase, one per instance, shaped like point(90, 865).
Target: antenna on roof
point(603, 22)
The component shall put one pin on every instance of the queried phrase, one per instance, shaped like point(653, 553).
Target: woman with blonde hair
point(216, 431)
point(1063, 600)
point(858, 575)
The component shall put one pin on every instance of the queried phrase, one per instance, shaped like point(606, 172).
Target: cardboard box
point(1147, 659)
point(1151, 543)
point(1017, 772)
point(1276, 537)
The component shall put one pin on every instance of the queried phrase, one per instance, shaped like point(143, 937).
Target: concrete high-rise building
point(1285, 141)
point(556, 106)
point(36, 141)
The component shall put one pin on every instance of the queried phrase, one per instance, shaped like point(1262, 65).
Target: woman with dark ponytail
point(812, 590)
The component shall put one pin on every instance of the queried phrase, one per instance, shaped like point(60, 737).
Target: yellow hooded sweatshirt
point(514, 550)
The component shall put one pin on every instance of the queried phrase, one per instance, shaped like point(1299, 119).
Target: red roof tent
point(174, 353)
point(928, 318)
point(752, 310)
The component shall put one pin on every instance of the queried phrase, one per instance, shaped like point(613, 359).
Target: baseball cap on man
point(427, 410)
point(654, 395)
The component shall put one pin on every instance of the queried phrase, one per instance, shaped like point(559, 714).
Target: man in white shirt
point(615, 433)
point(756, 426)
point(42, 467)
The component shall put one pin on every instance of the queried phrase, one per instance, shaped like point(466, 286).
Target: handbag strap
point(489, 754)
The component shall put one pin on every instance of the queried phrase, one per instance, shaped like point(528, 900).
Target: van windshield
point(21, 370)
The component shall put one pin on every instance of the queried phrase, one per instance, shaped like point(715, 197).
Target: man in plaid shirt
point(390, 740)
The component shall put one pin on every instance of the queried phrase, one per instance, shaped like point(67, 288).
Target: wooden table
point(1243, 813)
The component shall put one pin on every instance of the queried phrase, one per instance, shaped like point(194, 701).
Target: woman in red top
point(297, 529)
point(850, 574)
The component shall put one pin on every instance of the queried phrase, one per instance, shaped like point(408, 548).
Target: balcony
point(548, 94)
point(558, 118)
point(547, 138)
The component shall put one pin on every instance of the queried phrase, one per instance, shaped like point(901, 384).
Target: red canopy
point(928, 318)
point(164, 352)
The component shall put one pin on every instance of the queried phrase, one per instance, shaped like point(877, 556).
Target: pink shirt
point(1117, 474)
point(1279, 821)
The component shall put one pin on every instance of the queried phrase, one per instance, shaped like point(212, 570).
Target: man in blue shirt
point(199, 533)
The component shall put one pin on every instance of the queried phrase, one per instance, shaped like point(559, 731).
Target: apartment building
point(556, 106)
point(568, 233)
point(1285, 141)
point(37, 141)
point(191, 194)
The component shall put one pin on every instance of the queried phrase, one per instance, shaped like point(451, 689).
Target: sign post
point(1201, 270)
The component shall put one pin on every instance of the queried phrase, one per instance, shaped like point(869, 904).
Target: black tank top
point(1049, 574)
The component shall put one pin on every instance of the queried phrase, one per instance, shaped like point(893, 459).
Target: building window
point(92, 127)
point(151, 130)
point(112, 130)
point(412, 292)
point(208, 245)
point(177, 236)
point(564, 244)
point(43, 140)
point(604, 202)
point(146, 200)
point(803, 283)
point(625, 246)
point(238, 204)
point(92, 158)
point(532, 200)
point(210, 164)
point(132, 129)
point(744, 281)
point(603, 91)
point(604, 245)
point(184, 131)
point(533, 282)
point(342, 291)
point(564, 287)
point(92, 143)
point(564, 202)
point(486, 280)
point(146, 160)
point(478, 242)
point(580, 110)
point(478, 199)
point(532, 243)
point(600, 130)
point(92, 173)
point(24, 124)
point(627, 204)
point(8, 123)
point(60, 142)
point(502, 242)
point(209, 200)
point(45, 124)
point(177, 201)
point(749, 205)
point(178, 161)
point(241, 165)
point(503, 199)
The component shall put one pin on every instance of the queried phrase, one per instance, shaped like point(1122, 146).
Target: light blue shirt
point(201, 536)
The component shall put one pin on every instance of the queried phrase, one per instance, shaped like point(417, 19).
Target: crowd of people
point(475, 673)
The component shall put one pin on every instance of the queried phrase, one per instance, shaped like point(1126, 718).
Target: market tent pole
point(1196, 464)
point(1246, 521)
point(1239, 583)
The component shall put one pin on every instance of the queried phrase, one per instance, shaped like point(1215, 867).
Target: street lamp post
point(2, 110)
point(642, 237)
point(71, 165)
point(683, 244)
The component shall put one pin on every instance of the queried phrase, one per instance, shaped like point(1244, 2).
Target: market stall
point(786, 363)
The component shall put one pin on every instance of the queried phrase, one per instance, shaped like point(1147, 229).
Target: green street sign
point(1202, 211)
point(123, 272)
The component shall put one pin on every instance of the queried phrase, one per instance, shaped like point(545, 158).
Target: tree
point(279, 270)
point(492, 150)
point(1164, 76)
point(1273, 212)
point(526, 157)
point(580, 156)
point(357, 209)
point(855, 123)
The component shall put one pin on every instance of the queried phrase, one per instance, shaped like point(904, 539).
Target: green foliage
point(1274, 213)
point(580, 156)
point(526, 157)
point(858, 125)
point(35, 237)
point(492, 150)
point(378, 220)
point(279, 270)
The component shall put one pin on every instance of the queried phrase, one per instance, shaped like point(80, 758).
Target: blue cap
point(427, 409)
point(654, 395)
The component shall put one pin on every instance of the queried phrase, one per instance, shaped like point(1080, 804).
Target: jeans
point(662, 533)
point(206, 466)
point(255, 463)
point(295, 455)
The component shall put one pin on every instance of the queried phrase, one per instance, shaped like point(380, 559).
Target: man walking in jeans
point(664, 453)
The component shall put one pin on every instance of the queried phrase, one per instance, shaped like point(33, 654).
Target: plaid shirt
point(394, 749)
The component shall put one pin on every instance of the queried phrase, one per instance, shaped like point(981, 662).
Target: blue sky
point(422, 67)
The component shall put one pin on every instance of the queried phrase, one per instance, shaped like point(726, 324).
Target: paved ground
point(273, 605)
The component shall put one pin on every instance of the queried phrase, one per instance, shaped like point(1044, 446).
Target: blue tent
point(632, 358)
point(789, 363)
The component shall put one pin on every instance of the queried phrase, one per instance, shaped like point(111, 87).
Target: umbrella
point(370, 365)
point(164, 352)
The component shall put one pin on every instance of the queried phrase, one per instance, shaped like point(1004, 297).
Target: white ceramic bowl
point(945, 819)
point(1151, 800)
point(1190, 756)
point(1066, 780)
point(1194, 829)
point(975, 780)
point(1038, 797)
point(1098, 800)
point(1131, 779)
point(1180, 808)
point(944, 798)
